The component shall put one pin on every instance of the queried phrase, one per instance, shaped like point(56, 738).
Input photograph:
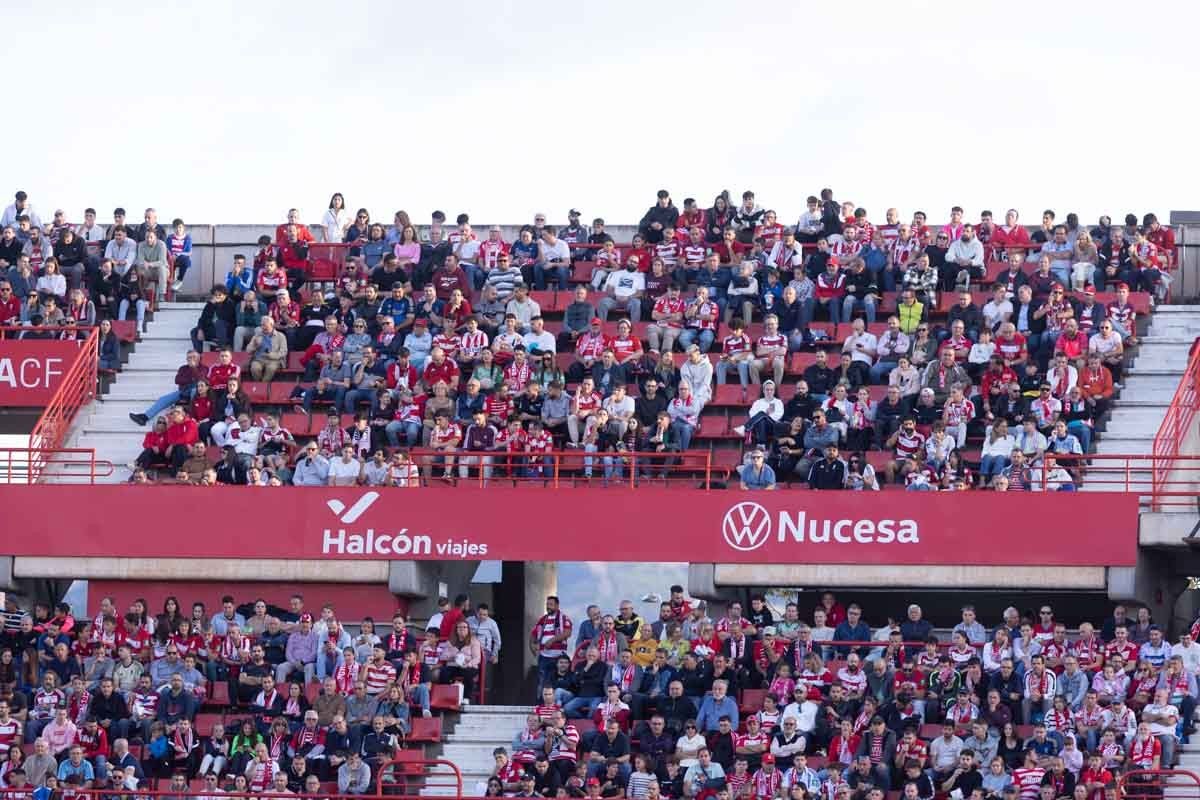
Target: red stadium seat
point(426, 730)
point(444, 697)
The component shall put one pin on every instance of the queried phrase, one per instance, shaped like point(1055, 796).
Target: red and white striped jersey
point(732, 345)
point(516, 376)
point(668, 250)
point(959, 413)
point(448, 342)
point(565, 749)
point(498, 407)
point(765, 785)
point(490, 252)
point(769, 341)
point(608, 259)
point(909, 446)
point(472, 344)
point(623, 348)
point(706, 316)
point(591, 345)
point(378, 676)
point(903, 251)
point(693, 254)
point(843, 248)
point(665, 305)
point(546, 629)
point(539, 443)
point(440, 437)
point(511, 441)
point(1028, 782)
point(769, 231)
point(1060, 721)
point(10, 734)
point(586, 402)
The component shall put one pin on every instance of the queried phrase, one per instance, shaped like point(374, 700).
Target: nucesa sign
point(31, 371)
point(962, 528)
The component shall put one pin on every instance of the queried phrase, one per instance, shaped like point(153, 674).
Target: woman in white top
point(1084, 257)
point(688, 746)
point(345, 470)
point(336, 219)
point(52, 282)
point(764, 413)
point(997, 450)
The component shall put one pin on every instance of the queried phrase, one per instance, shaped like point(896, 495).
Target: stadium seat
point(426, 730)
point(444, 697)
point(752, 701)
point(219, 693)
point(205, 722)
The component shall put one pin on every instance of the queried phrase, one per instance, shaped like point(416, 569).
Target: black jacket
point(970, 316)
point(69, 255)
point(819, 379)
point(667, 217)
point(589, 681)
point(1036, 325)
point(827, 475)
point(110, 708)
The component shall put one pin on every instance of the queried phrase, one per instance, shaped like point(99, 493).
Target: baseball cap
point(574, 212)
point(834, 261)
point(1123, 285)
point(593, 781)
point(770, 629)
point(420, 321)
point(1090, 291)
point(597, 321)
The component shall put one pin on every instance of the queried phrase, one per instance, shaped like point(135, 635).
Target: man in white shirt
point(19, 207)
point(623, 289)
point(1162, 717)
point(538, 340)
point(620, 407)
point(122, 250)
point(997, 310)
point(862, 346)
point(554, 258)
point(1189, 651)
point(966, 253)
point(344, 471)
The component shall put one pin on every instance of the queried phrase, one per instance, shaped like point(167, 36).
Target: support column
point(520, 599)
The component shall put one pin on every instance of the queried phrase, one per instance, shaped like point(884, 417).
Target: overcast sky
point(224, 112)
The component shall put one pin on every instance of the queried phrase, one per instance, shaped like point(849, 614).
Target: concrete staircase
point(478, 731)
point(1149, 385)
point(1182, 785)
point(150, 373)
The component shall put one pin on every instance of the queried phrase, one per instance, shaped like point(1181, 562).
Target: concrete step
point(475, 753)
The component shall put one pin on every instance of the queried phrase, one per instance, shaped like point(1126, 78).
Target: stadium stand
point(716, 346)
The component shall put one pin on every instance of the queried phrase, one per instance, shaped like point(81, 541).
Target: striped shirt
point(668, 251)
point(378, 677)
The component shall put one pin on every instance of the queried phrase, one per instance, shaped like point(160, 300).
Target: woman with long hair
point(461, 657)
point(337, 218)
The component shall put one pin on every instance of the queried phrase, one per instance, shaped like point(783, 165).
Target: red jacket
point(185, 433)
point(10, 310)
point(155, 441)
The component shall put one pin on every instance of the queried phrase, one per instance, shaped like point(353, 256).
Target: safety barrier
point(1177, 422)
point(564, 468)
point(1145, 784)
point(60, 465)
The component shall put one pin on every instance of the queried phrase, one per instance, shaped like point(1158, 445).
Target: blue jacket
point(846, 633)
point(711, 712)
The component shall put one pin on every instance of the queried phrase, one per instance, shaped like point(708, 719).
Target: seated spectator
point(269, 348)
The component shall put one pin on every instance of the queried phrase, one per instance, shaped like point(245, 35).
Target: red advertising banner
point(647, 524)
point(31, 371)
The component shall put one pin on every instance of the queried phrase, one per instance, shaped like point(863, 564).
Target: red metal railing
point(1134, 474)
point(565, 467)
point(78, 388)
point(30, 465)
point(1143, 784)
point(1177, 422)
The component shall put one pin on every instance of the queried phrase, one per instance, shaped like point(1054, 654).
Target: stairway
point(1183, 785)
point(104, 425)
point(479, 731)
point(1162, 356)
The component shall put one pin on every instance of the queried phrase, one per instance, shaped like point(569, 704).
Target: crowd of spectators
point(436, 339)
point(821, 704)
point(249, 699)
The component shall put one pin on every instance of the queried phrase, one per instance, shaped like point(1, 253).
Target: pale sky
point(225, 112)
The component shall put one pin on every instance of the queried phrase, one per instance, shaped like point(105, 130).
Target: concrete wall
point(201, 569)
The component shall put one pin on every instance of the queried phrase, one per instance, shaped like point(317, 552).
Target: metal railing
point(1144, 784)
point(1132, 474)
point(78, 388)
point(1177, 422)
point(63, 465)
point(564, 468)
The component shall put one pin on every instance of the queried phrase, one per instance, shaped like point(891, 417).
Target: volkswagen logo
point(746, 527)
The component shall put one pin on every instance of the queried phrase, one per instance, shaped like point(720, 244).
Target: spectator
point(757, 475)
